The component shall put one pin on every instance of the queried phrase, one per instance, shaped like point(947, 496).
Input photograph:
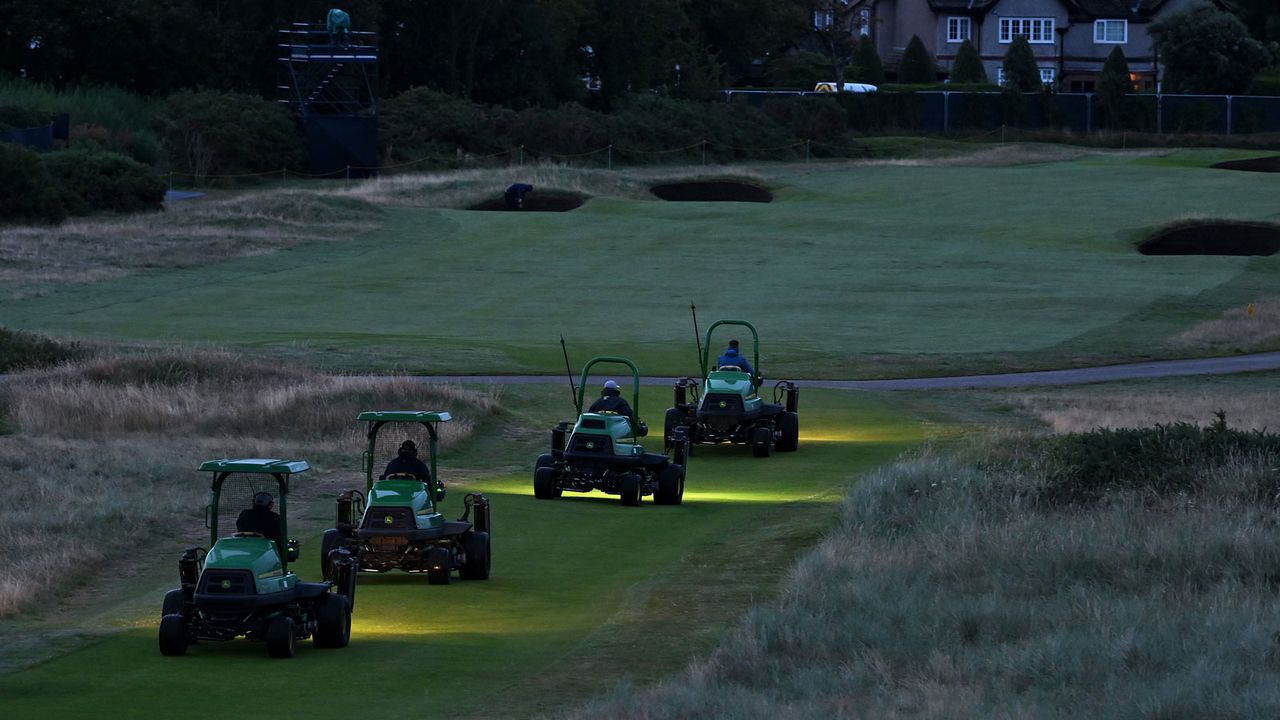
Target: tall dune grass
point(102, 450)
point(948, 592)
point(109, 107)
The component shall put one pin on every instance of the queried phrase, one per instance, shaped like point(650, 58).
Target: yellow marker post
point(1251, 310)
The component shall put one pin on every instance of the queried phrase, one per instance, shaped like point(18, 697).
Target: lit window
point(958, 29)
point(1046, 76)
point(822, 20)
point(1038, 31)
point(1111, 31)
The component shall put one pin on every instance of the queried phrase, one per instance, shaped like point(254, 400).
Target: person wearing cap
point(260, 518)
point(406, 462)
point(611, 401)
point(733, 357)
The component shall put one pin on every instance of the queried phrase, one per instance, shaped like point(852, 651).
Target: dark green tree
point(866, 66)
point(832, 27)
point(916, 67)
point(967, 68)
point(1206, 50)
point(1020, 71)
point(1113, 85)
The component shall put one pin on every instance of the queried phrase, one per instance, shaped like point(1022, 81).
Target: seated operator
point(261, 518)
point(406, 462)
point(732, 356)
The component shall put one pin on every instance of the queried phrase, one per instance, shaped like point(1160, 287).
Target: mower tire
point(762, 442)
point(544, 484)
point(441, 570)
point(789, 432)
point(173, 636)
point(281, 642)
point(331, 541)
point(670, 485)
point(174, 601)
point(333, 622)
point(476, 546)
point(631, 490)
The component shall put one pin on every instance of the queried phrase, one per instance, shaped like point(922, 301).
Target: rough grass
point(1249, 406)
point(35, 260)
point(102, 450)
point(1251, 327)
point(947, 592)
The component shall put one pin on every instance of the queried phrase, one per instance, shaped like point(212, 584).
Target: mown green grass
point(584, 592)
point(855, 270)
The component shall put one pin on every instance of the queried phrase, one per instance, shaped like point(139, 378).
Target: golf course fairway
point(584, 593)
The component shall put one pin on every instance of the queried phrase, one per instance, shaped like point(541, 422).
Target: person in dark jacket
point(732, 356)
point(406, 462)
point(514, 195)
point(611, 401)
point(261, 518)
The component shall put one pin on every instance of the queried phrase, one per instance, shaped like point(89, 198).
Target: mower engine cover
point(258, 556)
point(614, 430)
point(400, 494)
point(729, 382)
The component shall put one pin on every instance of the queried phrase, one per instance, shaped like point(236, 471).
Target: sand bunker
point(1262, 164)
point(1214, 238)
point(718, 191)
point(536, 202)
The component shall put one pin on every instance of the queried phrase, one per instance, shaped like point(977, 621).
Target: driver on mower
point(611, 400)
point(261, 518)
point(406, 462)
point(732, 357)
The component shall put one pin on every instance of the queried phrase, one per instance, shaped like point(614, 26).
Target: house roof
point(962, 5)
point(1125, 9)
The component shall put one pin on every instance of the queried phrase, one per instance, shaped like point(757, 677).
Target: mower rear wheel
point(173, 635)
point(544, 484)
point(670, 486)
point(789, 432)
point(631, 491)
point(281, 642)
point(333, 622)
point(476, 546)
point(331, 541)
point(174, 601)
point(440, 571)
point(762, 442)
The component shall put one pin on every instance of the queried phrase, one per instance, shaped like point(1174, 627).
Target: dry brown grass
point(189, 233)
point(1237, 329)
point(103, 450)
point(1082, 409)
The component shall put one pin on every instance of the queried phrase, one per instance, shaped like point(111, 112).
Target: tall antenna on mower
point(569, 371)
point(697, 337)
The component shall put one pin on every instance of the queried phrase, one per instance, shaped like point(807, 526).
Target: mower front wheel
point(333, 622)
point(544, 484)
point(631, 490)
point(762, 442)
point(670, 486)
point(173, 635)
point(281, 642)
point(174, 601)
point(440, 566)
point(331, 541)
point(476, 546)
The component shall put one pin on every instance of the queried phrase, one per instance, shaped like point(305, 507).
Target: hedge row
point(79, 181)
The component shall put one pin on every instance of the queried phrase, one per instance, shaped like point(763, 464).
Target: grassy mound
point(23, 350)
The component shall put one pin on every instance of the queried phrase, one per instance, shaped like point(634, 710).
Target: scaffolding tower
point(330, 83)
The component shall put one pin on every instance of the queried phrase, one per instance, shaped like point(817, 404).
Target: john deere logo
point(388, 520)
point(723, 404)
point(591, 446)
point(226, 584)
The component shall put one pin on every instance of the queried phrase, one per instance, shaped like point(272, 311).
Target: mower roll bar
point(635, 386)
point(211, 511)
point(756, 379)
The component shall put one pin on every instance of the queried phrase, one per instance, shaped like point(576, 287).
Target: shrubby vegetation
point(215, 133)
point(92, 180)
point(20, 350)
point(27, 191)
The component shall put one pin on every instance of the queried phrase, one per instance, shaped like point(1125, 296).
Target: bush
point(1113, 85)
point(19, 350)
point(801, 70)
point(967, 67)
point(20, 118)
point(1020, 70)
point(810, 118)
point(916, 66)
point(866, 66)
point(215, 133)
point(27, 192)
point(93, 180)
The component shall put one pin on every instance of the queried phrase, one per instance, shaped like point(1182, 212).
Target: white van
point(830, 87)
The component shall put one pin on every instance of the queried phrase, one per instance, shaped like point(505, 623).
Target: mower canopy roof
point(403, 416)
point(265, 466)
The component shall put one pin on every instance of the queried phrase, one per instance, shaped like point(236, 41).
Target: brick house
point(1071, 39)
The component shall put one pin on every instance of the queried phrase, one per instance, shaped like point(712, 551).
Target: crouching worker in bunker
point(514, 195)
point(261, 518)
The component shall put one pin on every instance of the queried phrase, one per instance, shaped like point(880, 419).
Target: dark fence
point(940, 111)
point(39, 138)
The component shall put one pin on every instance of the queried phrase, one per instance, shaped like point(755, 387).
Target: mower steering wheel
point(731, 368)
point(401, 476)
point(249, 534)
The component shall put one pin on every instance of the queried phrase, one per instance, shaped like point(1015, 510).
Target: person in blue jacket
point(514, 196)
point(732, 356)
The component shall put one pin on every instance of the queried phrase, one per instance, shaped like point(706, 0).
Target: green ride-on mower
point(243, 585)
point(601, 452)
point(396, 524)
point(729, 409)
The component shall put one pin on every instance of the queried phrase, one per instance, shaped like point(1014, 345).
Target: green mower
point(395, 523)
point(729, 409)
point(601, 452)
point(243, 586)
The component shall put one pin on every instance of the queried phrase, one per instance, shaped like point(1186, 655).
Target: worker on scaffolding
point(339, 22)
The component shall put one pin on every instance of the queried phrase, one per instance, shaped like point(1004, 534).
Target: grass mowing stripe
point(582, 588)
